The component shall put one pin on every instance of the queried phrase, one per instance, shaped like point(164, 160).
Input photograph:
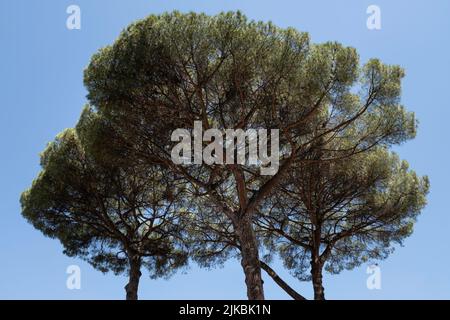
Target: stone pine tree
point(118, 218)
point(165, 72)
point(338, 215)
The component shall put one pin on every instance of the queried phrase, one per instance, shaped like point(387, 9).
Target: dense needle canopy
point(167, 71)
point(338, 215)
point(118, 218)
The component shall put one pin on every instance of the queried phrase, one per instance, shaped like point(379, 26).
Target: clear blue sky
point(41, 93)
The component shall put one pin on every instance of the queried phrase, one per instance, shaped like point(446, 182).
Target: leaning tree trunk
point(316, 274)
point(281, 283)
point(250, 260)
point(134, 275)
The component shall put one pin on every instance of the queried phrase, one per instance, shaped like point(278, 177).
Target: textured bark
point(134, 275)
point(281, 283)
point(250, 260)
point(316, 273)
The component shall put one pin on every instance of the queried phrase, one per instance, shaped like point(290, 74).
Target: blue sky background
point(41, 93)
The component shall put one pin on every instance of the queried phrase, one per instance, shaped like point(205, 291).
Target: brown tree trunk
point(316, 273)
point(134, 275)
point(250, 260)
point(281, 283)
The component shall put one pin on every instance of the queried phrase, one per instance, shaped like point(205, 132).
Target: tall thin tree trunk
point(316, 273)
point(134, 275)
point(250, 260)
point(281, 283)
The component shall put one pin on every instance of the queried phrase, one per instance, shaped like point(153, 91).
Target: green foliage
point(361, 206)
point(165, 72)
point(103, 213)
point(339, 194)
